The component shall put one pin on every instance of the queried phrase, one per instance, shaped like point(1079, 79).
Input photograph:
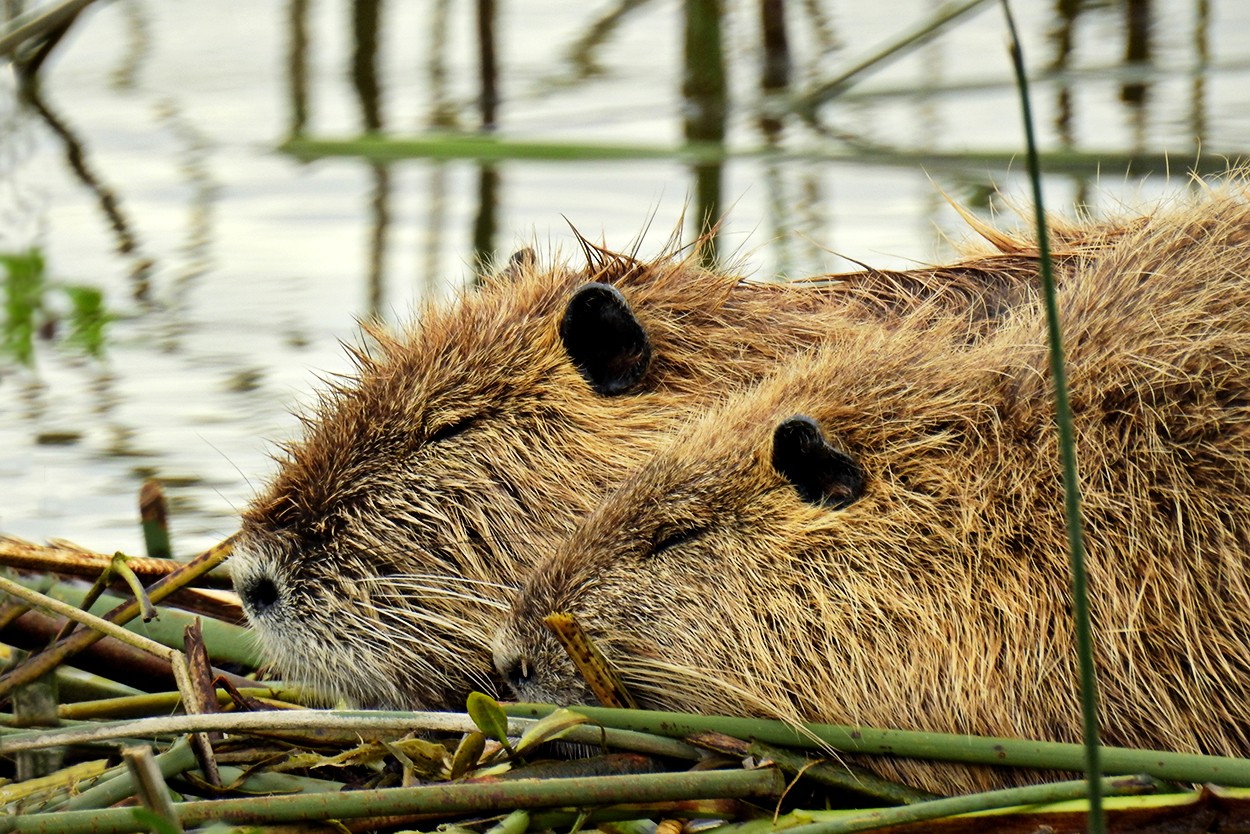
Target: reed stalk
point(1067, 451)
point(1044, 755)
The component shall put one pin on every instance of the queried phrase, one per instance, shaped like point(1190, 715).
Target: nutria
point(378, 562)
point(875, 535)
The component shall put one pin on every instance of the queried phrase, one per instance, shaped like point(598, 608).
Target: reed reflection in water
point(145, 169)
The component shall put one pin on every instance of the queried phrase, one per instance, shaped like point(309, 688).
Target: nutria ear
point(820, 473)
point(605, 340)
point(522, 261)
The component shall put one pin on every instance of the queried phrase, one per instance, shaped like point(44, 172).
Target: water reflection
point(1202, 56)
point(26, 65)
point(167, 113)
point(774, 67)
point(1137, 25)
point(1063, 38)
point(366, 19)
point(705, 105)
point(366, 15)
point(705, 108)
point(485, 222)
point(138, 46)
point(297, 64)
point(442, 111)
point(430, 264)
point(488, 98)
point(194, 150)
point(1137, 54)
point(584, 54)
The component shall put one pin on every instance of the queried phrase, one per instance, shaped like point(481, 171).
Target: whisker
point(427, 592)
point(437, 577)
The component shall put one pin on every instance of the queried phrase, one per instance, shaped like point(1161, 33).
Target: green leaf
point(554, 726)
point(489, 718)
point(467, 754)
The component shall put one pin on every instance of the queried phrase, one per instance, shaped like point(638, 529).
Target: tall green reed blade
point(1067, 450)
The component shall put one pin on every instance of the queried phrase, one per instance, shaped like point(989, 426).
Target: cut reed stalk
point(1044, 755)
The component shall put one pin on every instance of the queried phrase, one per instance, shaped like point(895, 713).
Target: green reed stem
point(481, 798)
point(941, 808)
point(1006, 752)
point(841, 776)
point(154, 518)
point(40, 664)
point(121, 783)
point(1067, 451)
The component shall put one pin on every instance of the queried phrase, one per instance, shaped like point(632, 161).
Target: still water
point(232, 270)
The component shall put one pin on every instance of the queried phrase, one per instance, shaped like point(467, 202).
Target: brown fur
point(939, 600)
point(388, 553)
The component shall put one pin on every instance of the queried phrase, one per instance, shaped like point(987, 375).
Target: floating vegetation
point(35, 307)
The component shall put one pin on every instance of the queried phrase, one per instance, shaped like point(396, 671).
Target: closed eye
point(451, 429)
point(677, 539)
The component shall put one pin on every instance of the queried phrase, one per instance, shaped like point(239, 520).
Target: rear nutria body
point(379, 560)
point(875, 535)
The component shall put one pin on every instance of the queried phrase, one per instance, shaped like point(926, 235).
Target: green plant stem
point(104, 627)
point(841, 776)
point(225, 641)
point(157, 703)
point(262, 782)
point(154, 518)
point(37, 666)
point(383, 148)
point(941, 808)
point(653, 744)
point(637, 817)
point(352, 721)
point(1046, 755)
point(177, 759)
point(442, 799)
point(1067, 450)
point(123, 570)
point(515, 823)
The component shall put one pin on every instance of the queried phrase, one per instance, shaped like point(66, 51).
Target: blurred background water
point(194, 279)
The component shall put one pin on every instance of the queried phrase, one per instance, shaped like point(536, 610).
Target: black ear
point(820, 473)
point(604, 340)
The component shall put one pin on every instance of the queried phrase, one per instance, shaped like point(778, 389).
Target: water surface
point(248, 266)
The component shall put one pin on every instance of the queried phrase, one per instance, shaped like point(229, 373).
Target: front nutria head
point(370, 565)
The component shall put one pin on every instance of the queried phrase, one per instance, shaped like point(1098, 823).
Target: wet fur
point(939, 599)
point(396, 527)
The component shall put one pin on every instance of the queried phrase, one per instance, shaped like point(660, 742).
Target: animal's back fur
point(939, 600)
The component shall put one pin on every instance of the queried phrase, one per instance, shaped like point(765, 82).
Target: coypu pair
point(384, 556)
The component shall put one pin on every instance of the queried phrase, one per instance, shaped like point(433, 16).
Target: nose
point(258, 593)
